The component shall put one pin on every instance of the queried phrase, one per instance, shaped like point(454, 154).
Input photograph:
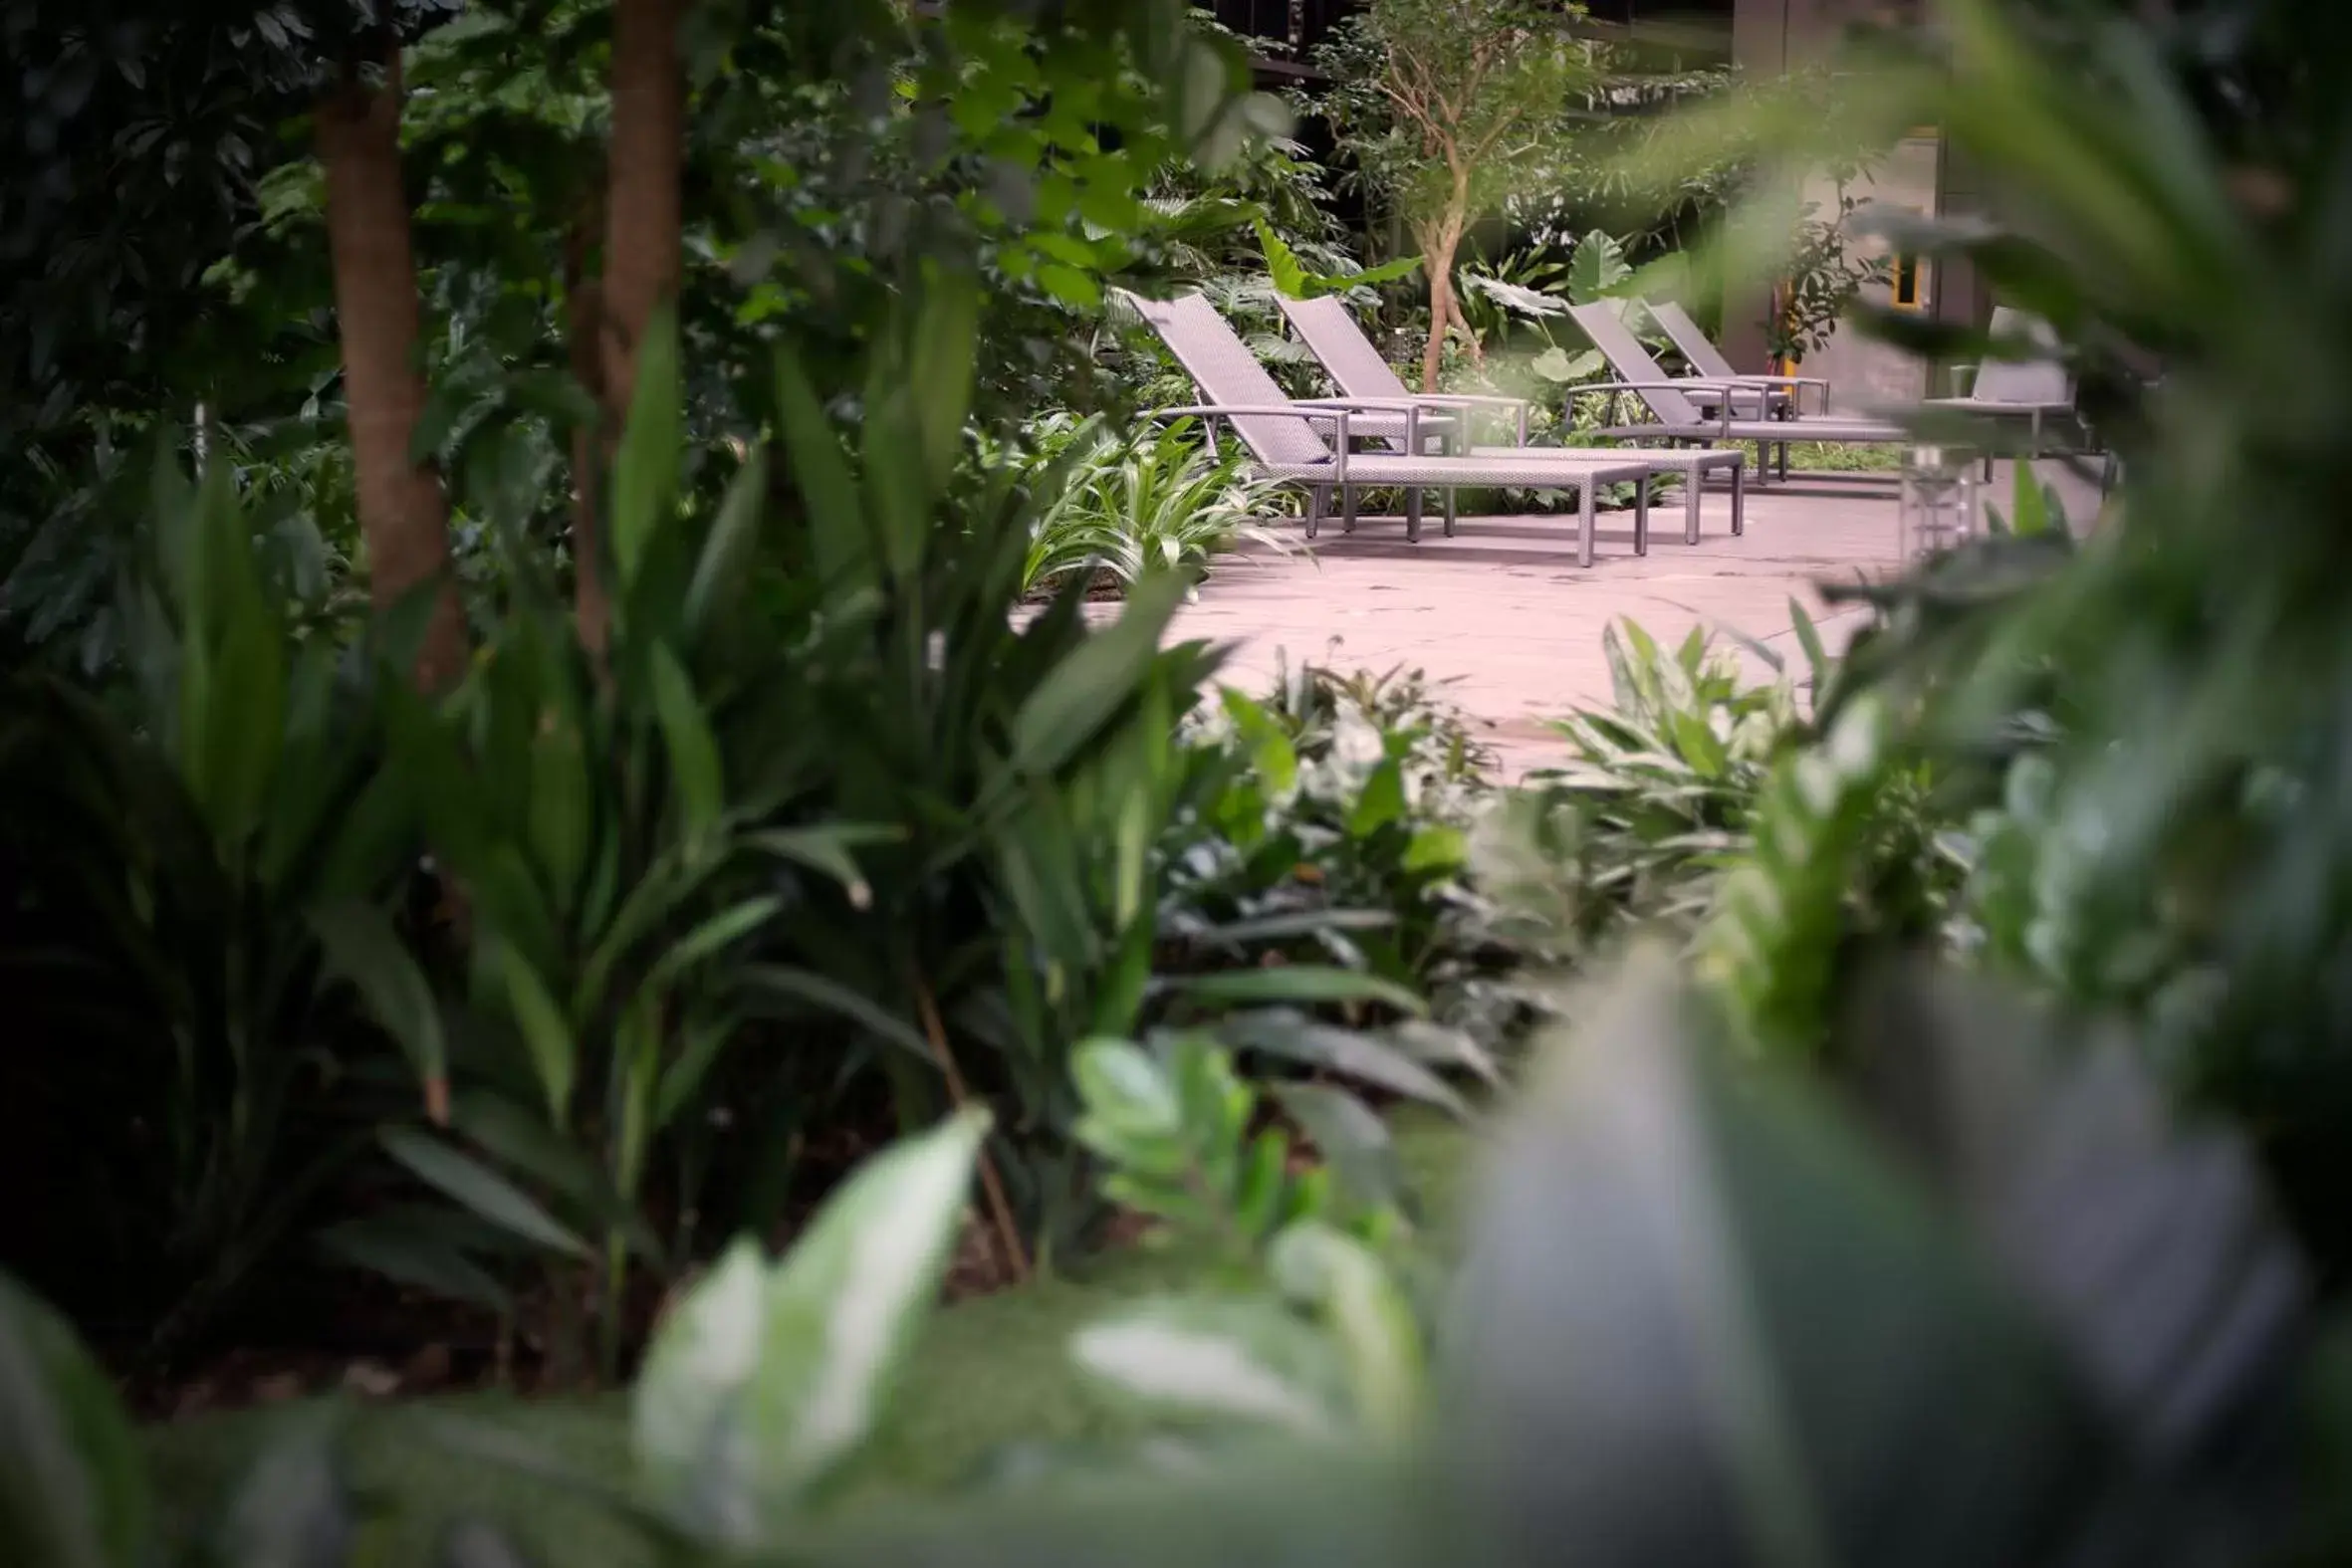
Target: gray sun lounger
point(1285, 438)
point(1708, 363)
point(1743, 413)
point(1356, 366)
point(2037, 389)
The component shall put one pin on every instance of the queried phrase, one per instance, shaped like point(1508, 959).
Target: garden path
point(1503, 612)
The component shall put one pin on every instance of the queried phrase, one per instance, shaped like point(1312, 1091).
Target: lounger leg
point(1347, 509)
point(1738, 499)
point(1585, 522)
point(1314, 509)
point(1784, 462)
point(1449, 512)
point(1691, 486)
point(1412, 516)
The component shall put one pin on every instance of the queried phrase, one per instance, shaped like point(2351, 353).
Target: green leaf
point(1382, 800)
point(1125, 1090)
point(1295, 1037)
point(832, 995)
point(645, 488)
point(827, 850)
point(73, 1480)
point(1352, 1140)
point(1437, 846)
point(1239, 1361)
point(1282, 263)
point(363, 948)
point(547, 1033)
point(693, 749)
point(1809, 637)
point(839, 541)
point(764, 1383)
point(2032, 515)
point(719, 931)
point(942, 362)
point(724, 568)
point(479, 1190)
point(421, 1256)
point(1369, 1316)
point(1301, 982)
point(1094, 680)
point(1779, 1307)
point(1596, 269)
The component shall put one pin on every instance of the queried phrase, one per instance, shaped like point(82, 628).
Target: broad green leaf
point(687, 740)
point(1370, 1318)
point(1282, 263)
point(1125, 1090)
point(942, 363)
point(719, 931)
point(1437, 846)
point(723, 571)
point(827, 850)
point(1781, 1314)
point(363, 948)
point(1296, 1037)
point(1093, 680)
point(1241, 1360)
point(765, 1382)
point(1381, 803)
point(547, 1035)
point(563, 807)
point(1352, 1140)
point(1597, 268)
point(839, 542)
point(831, 995)
point(72, 1478)
point(1301, 982)
point(479, 1190)
point(415, 1254)
point(645, 481)
point(2032, 513)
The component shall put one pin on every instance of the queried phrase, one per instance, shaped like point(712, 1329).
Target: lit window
point(1909, 283)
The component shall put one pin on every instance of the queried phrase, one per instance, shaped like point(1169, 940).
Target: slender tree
point(642, 239)
point(1444, 106)
point(403, 514)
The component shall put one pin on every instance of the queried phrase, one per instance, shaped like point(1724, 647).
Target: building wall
point(1768, 37)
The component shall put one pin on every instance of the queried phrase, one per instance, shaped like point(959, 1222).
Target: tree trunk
point(403, 516)
point(642, 235)
point(1437, 254)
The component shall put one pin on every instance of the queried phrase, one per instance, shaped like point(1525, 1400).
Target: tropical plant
point(1165, 500)
point(1439, 105)
point(189, 1073)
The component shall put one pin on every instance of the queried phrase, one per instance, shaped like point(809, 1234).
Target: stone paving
point(1502, 611)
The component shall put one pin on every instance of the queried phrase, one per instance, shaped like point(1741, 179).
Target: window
point(1909, 284)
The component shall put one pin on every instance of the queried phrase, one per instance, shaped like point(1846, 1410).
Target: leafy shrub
point(1163, 501)
point(1791, 1279)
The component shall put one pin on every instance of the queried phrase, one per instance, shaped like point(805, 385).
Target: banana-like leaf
point(481, 1190)
point(363, 948)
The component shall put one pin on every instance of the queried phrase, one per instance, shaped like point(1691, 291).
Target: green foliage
point(1165, 501)
point(1443, 104)
point(164, 857)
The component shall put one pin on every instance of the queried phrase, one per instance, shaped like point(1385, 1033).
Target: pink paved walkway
point(1503, 612)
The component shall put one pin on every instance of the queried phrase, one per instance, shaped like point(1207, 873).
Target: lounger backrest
point(1226, 371)
point(1632, 362)
point(1330, 332)
point(2043, 380)
point(1694, 344)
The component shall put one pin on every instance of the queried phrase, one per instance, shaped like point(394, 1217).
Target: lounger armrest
point(1372, 405)
point(1463, 402)
point(1336, 417)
